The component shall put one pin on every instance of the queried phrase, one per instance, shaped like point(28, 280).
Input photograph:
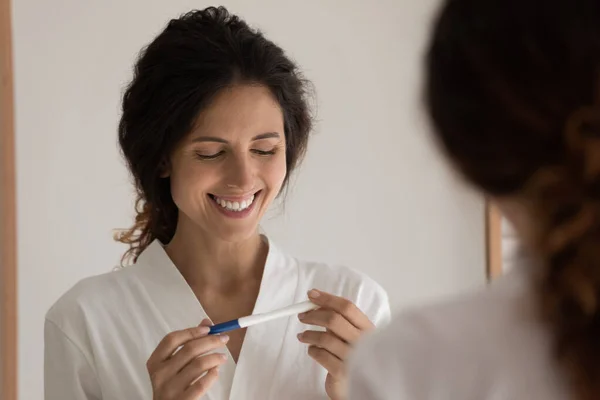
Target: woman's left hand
point(344, 324)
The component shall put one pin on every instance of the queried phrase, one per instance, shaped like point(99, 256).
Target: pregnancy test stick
point(254, 319)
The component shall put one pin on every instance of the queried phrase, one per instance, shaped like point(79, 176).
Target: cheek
point(275, 173)
point(188, 180)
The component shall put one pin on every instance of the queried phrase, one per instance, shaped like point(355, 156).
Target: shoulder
point(317, 270)
point(345, 281)
point(351, 279)
point(460, 324)
point(88, 297)
point(349, 283)
point(440, 347)
point(368, 295)
point(391, 360)
point(415, 355)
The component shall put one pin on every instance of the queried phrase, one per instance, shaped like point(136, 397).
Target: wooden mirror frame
point(493, 241)
point(8, 225)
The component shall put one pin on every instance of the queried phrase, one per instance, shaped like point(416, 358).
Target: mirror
point(373, 193)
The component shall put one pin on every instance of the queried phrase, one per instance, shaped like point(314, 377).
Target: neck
point(207, 261)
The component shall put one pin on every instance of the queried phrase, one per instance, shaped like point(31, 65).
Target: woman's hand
point(179, 367)
point(344, 324)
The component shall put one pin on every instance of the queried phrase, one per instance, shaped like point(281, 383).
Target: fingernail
point(300, 336)
point(224, 338)
point(313, 294)
point(223, 357)
point(203, 330)
point(302, 316)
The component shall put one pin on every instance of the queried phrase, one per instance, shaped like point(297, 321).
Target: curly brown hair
point(513, 91)
point(175, 78)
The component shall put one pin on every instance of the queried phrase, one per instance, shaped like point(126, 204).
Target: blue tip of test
point(224, 327)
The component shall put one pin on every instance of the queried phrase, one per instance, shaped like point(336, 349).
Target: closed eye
point(263, 152)
point(209, 156)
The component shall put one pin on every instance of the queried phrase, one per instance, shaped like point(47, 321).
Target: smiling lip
point(233, 213)
point(236, 198)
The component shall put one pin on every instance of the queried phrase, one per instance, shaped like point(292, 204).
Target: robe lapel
point(176, 306)
point(260, 354)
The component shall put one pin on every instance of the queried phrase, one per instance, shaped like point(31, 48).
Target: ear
point(165, 168)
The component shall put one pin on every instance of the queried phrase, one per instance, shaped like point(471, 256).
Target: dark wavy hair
point(513, 90)
point(175, 78)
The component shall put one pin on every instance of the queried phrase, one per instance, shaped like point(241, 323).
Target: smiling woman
point(214, 121)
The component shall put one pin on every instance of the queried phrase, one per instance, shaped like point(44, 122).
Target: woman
point(513, 90)
point(213, 124)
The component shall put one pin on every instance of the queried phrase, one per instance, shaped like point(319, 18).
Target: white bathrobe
point(487, 345)
point(100, 334)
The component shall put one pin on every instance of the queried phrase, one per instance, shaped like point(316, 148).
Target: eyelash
point(217, 155)
point(210, 157)
point(264, 153)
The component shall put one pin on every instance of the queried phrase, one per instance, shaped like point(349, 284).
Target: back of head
point(175, 78)
point(513, 90)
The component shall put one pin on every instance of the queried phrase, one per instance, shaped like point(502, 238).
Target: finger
point(327, 341)
point(342, 306)
point(201, 386)
point(195, 370)
point(331, 363)
point(172, 342)
point(206, 322)
point(333, 321)
point(195, 349)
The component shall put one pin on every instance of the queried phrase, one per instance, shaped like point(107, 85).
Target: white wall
point(372, 194)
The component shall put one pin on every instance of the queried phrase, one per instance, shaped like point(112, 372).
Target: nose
point(240, 173)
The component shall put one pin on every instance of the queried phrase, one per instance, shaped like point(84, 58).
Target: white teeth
point(235, 206)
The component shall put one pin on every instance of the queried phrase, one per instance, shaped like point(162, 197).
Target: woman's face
point(227, 171)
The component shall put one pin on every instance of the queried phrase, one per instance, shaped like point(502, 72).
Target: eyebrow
point(268, 135)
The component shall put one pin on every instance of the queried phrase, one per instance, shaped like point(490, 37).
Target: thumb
point(206, 322)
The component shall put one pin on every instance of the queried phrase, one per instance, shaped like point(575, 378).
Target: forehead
point(240, 111)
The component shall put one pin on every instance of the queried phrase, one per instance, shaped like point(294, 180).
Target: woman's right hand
point(180, 359)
